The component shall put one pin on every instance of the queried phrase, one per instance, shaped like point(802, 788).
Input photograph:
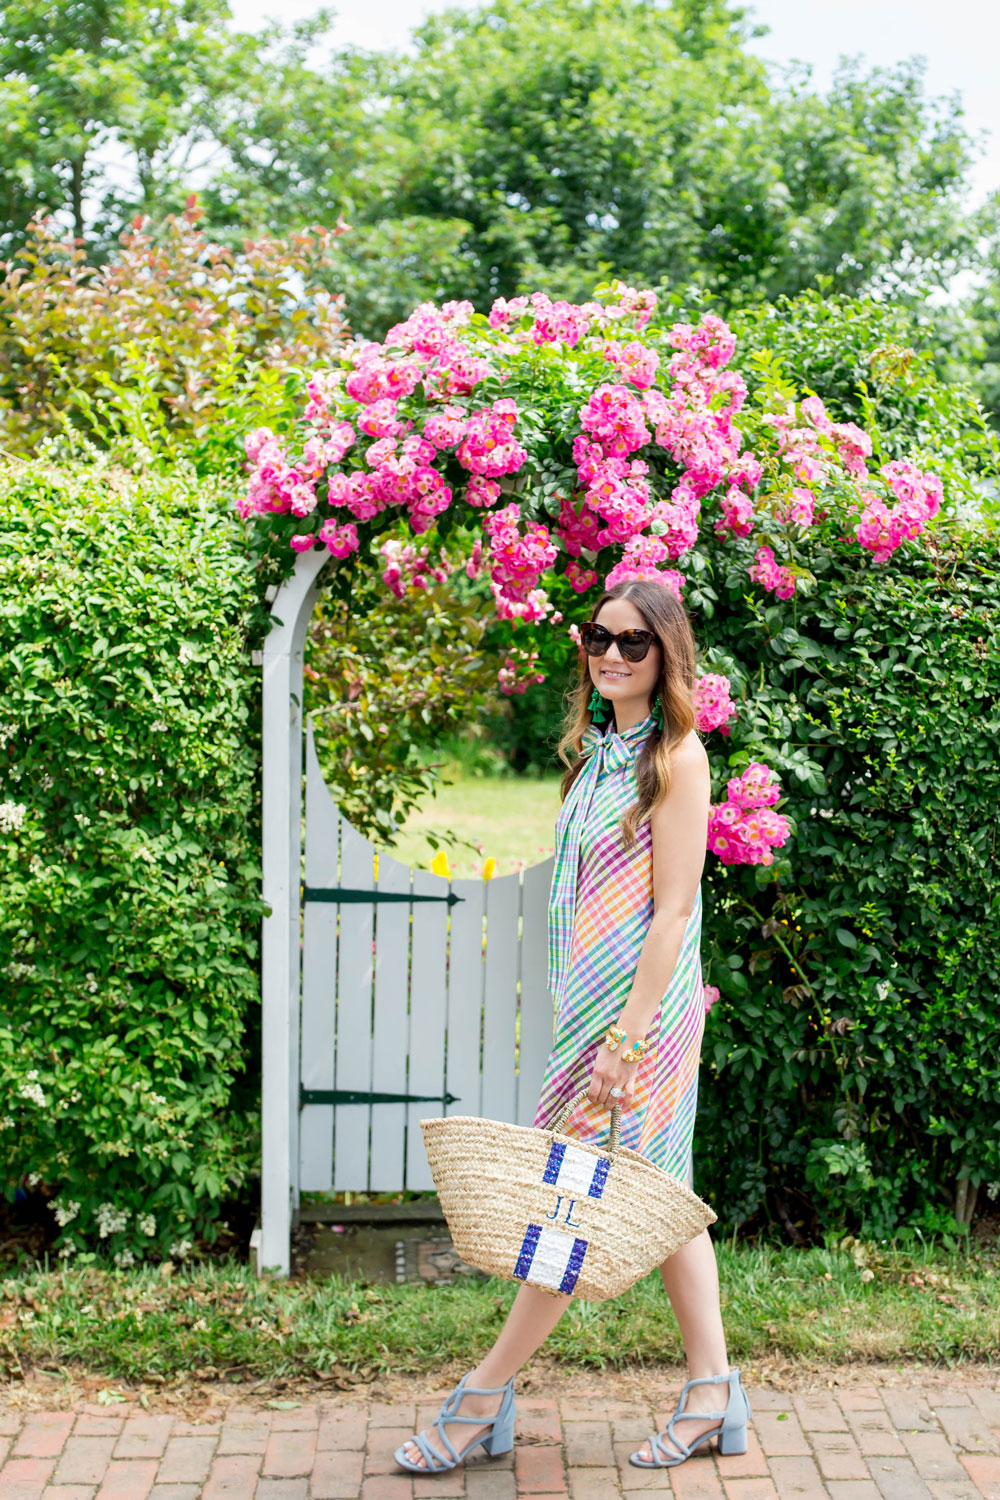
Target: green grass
point(861, 1303)
point(511, 818)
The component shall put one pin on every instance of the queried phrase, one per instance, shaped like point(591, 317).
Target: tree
point(983, 311)
point(646, 141)
point(81, 79)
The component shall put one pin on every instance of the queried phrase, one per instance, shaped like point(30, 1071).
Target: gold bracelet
point(615, 1038)
point(639, 1049)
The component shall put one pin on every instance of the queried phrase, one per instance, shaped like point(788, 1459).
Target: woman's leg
point(531, 1319)
point(691, 1280)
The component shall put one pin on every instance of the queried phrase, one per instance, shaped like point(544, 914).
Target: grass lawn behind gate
point(511, 817)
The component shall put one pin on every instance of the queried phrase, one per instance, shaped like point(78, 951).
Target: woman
point(624, 932)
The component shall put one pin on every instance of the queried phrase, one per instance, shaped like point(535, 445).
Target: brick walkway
point(868, 1442)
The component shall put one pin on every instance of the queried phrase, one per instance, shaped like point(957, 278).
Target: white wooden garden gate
point(389, 993)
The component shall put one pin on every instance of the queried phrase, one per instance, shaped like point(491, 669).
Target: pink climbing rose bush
point(744, 829)
point(588, 442)
point(601, 477)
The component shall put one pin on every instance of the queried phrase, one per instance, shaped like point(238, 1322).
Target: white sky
point(960, 41)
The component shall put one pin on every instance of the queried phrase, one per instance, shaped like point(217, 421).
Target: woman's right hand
point(610, 1072)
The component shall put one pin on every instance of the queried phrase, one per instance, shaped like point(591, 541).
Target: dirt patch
point(209, 1401)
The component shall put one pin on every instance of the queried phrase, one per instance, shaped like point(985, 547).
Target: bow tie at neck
point(611, 749)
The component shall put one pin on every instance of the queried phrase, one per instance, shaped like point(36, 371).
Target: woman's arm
point(679, 828)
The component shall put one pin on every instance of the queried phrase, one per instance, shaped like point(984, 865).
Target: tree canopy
point(517, 146)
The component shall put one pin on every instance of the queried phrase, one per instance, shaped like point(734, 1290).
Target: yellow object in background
point(439, 864)
point(489, 868)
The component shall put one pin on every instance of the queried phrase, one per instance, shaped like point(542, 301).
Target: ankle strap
point(483, 1390)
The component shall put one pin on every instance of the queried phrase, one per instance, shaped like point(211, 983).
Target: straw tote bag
point(536, 1206)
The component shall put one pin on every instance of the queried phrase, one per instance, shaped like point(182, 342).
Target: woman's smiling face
point(619, 680)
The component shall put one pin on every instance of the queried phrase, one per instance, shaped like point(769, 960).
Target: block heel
point(733, 1437)
point(733, 1440)
point(501, 1439)
point(730, 1436)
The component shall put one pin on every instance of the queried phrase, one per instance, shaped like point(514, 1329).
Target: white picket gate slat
point(352, 1122)
point(535, 1007)
point(428, 1010)
point(503, 904)
point(389, 1036)
point(463, 1072)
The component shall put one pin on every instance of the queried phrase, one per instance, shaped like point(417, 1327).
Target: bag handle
point(616, 1120)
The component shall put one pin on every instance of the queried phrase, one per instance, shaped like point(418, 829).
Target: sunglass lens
point(595, 638)
point(634, 644)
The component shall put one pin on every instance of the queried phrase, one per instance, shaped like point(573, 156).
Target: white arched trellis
point(281, 855)
point(436, 1004)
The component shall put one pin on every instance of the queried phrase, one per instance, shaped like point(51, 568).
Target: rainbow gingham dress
point(600, 908)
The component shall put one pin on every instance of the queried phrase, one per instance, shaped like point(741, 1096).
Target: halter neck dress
point(600, 908)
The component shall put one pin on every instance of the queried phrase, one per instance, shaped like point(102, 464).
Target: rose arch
point(588, 441)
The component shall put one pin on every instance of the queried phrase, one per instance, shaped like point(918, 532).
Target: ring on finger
point(617, 1093)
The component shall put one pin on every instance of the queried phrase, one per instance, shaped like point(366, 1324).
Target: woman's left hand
point(610, 1072)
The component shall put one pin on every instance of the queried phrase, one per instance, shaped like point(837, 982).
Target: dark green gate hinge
point(357, 1096)
point(342, 895)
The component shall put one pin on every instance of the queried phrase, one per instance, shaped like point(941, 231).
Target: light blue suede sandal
point(731, 1433)
point(498, 1437)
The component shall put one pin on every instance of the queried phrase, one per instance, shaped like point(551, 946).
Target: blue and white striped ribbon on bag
point(550, 1256)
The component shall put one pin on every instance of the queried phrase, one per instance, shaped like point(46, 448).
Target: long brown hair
point(666, 616)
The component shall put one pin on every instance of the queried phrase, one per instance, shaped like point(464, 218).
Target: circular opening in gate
point(435, 724)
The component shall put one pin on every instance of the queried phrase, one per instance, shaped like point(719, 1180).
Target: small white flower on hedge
point(18, 970)
point(65, 1212)
point(91, 984)
point(34, 1178)
point(6, 1123)
point(11, 816)
point(159, 726)
point(32, 1090)
point(7, 732)
point(147, 1224)
point(82, 820)
point(185, 654)
point(180, 1249)
point(157, 1099)
point(111, 1220)
point(124, 1258)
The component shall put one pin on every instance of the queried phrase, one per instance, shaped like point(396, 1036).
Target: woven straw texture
point(540, 1207)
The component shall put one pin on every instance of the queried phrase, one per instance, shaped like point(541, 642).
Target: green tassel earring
point(657, 712)
point(599, 708)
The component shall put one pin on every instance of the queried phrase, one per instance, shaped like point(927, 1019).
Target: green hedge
point(851, 1068)
point(129, 839)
